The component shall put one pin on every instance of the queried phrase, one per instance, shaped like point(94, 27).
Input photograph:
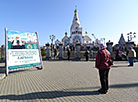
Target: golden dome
point(76, 11)
point(86, 32)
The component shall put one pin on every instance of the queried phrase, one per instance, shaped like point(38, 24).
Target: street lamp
point(102, 40)
point(130, 36)
point(96, 43)
point(94, 36)
point(52, 38)
point(99, 41)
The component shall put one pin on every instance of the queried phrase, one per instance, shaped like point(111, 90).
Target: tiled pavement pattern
point(70, 81)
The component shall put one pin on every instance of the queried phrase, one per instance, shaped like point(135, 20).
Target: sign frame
point(7, 53)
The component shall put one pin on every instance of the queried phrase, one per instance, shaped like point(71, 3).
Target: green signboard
point(22, 50)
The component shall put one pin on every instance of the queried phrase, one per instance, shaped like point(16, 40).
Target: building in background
point(87, 39)
point(76, 33)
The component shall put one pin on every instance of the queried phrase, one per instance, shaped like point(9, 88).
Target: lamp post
point(94, 36)
point(52, 38)
point(99, 41)
point(96, 42)
point(130, 36)
point(102, 40)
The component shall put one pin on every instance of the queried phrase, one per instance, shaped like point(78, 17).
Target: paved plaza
point(70, 81)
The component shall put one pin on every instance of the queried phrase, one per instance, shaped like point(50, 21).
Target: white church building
point(76, 33)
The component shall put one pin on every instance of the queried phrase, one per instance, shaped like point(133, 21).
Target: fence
point(73, 55)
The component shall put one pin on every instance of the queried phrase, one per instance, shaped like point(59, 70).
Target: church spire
point(76, 29)
point(76, 18)
point(75, 23)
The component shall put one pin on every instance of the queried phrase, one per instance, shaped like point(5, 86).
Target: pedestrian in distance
point(86, 55)
point(118, 55)
point(55, 53)
point(102, 58)
point(68, 53)
point(91, 54)
point(131, 56)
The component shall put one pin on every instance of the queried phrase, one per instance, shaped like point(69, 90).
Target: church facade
point(76, 33)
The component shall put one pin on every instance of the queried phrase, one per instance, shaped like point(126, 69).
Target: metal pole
point(6, 51)
point(39, 50)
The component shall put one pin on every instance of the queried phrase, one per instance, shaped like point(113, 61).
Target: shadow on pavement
point(48, 95)
point(124, 85)
point(116, 66)
point(23, 70)
point(111, 86)
point(58, 94)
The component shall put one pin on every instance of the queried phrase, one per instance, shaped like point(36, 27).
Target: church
point(76, 33)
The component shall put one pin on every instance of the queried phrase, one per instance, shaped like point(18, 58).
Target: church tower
point(76, 30)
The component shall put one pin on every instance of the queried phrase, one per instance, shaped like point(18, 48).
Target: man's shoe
point(130, 65)
point(102, 91)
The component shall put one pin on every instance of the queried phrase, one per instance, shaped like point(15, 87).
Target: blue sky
point(105, 18)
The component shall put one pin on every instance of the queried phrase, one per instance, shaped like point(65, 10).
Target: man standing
point(131, 56)
point(102, 58)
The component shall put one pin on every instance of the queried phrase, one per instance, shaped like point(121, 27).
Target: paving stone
point(70, 81)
